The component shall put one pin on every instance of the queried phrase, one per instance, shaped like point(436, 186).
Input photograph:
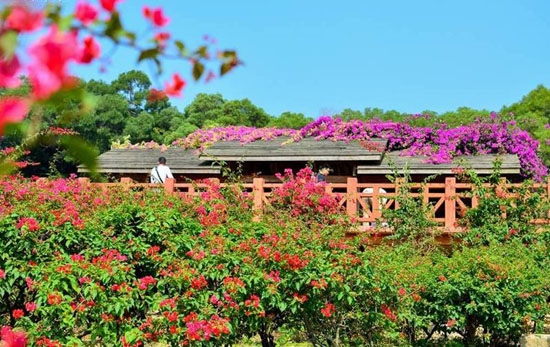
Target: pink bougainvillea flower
point(44, 83)
point(175, 88)
point(90, 51)
point(156, 16)
point(12, 110)
point(109, 5)
point(54, 51)
point(85, 12)
point(51, 54)
point(2, 274)
point(30, 306)
point(23, 19)
point(8, 72)
point(13, 338)
point(210, 76)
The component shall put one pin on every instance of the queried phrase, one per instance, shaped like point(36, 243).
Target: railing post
point(450, 202)
point(258, 195)
point(351, 192)
point(169, 185)
point(84, 181)
point(376, 212)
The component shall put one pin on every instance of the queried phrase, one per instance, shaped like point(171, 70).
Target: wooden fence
point(365, 202)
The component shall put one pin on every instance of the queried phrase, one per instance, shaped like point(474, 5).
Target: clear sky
point(312, 56)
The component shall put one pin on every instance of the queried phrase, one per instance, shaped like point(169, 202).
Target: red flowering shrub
point(82, 265)
point(303, 195)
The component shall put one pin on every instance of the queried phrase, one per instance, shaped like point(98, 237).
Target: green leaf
point(114, 27)
point(148, 54)
point(8, 44)
point(181, 47)
point(198, 69)
point(81, 151)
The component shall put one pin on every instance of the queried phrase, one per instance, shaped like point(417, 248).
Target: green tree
point(290, 120)
point(204, 107)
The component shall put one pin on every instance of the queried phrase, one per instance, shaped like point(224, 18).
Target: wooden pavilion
point(369, 161)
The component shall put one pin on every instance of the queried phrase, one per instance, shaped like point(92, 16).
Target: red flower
point(23, 19)
point(451, 323)
point(328, 310)
point(12, 110)
point(175, 88)
point(18, 314)
point(156, 95)
point(109, 5)
point(2, 274)
point(54, 299)
point(85, 12)
point(8, 72)
point(162, 37)
point(12, 338)
point(402, 291)
point(442, 278)
point(156, 16)
point(30, 306)
point(90, 51)
point(388, 312)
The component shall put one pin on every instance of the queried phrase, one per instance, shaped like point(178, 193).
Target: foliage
point(83, 265)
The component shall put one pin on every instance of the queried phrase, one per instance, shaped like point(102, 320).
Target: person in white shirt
point(161, 172)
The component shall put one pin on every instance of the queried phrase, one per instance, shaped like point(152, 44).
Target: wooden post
point(169, 185)
point(450, 202)
point(376, 212)
point(84, 181)
point(258, 196)
point(351, 203)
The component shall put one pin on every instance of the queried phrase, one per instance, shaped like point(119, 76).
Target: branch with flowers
point(60, 40)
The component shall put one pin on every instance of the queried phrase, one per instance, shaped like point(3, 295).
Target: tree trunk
point(267, 339)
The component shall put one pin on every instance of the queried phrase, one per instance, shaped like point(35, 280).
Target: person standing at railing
point(161, 172)
point(323, 173)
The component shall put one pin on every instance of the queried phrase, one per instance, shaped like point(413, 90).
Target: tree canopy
point(124, 110)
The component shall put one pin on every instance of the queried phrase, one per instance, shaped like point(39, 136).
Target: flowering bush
point(84, 265)
point(302, 195)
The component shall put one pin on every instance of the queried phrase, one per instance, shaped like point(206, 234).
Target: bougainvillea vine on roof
point(440, 144)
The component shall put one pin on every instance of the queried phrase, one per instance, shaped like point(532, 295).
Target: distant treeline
point(123, 109)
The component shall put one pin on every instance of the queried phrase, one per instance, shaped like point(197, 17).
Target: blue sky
point(319, 56)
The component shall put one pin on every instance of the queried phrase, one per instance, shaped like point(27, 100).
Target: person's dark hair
point(162, 160)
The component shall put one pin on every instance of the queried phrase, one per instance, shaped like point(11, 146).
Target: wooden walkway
point(363, 202)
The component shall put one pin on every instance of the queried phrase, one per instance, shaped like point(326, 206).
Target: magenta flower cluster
point(439, 144)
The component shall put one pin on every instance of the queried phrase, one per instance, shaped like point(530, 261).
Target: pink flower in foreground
point(90, 51)
point(328, 310)
point(22, 19)
point(8, 72)
point(109, 5)
point(156, 16)
point(51, 55)
point(13, 338)
point(85, 12)
point(12, 110)
point(175, 88)
point(2, 274)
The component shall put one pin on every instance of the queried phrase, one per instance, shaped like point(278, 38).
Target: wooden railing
point(365, 202)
